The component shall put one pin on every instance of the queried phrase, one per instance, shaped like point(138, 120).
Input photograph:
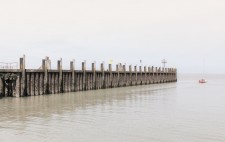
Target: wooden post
point(45, 69)
point(124, 76)
point(84, 76)
point(149, 75)
point(159, 74)
point(32, 83)
point(130, 72)
point(23, 91)
point(175, 76)
point(103, 76)
point(172, 74)
point(140, 71)
point(94, 75)
point(72, 67)
point(169, 74)
point(118, 75)
point(110, 75)
point(145, 76)
point(136, 79)
point(152, 77)
point(156, 75)
point(60, 85)
point(166, 75)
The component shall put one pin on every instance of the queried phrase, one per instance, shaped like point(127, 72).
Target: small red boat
point(202, 81)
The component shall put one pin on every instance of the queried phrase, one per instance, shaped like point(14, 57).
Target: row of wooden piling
point(31, 82)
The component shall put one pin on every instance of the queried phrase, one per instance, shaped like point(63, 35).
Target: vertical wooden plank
point(152, 76)
point(94, 75)
point(28, 84)
point(49, 82)
point(130, 75)
point(118, 76)
point(110, 76)
point(72, 67)
point(16, 90)
point(103, 83)
point(145, 76)
point(99, 81)
point(91, 81)
point(149, 76)
point(41, 84)
point(124, 76)
point(163, 74)
point(84, 76)
point(56, 83)
point(23, 77)
point(60, 85)
point(160, 75)
point(175, 75)
point(32, 84)
point(136, 79)
point(64, 82)
point(156, 75)
point(52, 82)
point(76, 81)
point(86, 81)
point(140, 77)
point(38, 84)
point(81, 82)
point(44, 68)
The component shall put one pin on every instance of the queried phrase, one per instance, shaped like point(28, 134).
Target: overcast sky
point(185, 32)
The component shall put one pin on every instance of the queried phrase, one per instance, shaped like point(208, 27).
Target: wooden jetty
point(31, 82)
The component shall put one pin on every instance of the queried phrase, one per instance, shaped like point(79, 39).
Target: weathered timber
point(31, 82)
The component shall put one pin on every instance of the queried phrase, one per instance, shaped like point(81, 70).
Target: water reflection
point(22, 110)
point(185, 111)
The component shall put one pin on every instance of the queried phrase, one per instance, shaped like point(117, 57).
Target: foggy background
point(188, 34)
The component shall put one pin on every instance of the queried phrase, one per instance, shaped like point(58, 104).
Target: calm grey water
point(177, 112)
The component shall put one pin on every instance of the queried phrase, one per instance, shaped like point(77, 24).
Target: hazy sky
point(184, 32)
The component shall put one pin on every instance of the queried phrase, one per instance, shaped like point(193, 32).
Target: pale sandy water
point(176, 112)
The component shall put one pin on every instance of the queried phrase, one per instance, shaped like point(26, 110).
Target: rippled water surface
point(176, 112)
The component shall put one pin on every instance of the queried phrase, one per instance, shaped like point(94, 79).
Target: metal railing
point(13, 65)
